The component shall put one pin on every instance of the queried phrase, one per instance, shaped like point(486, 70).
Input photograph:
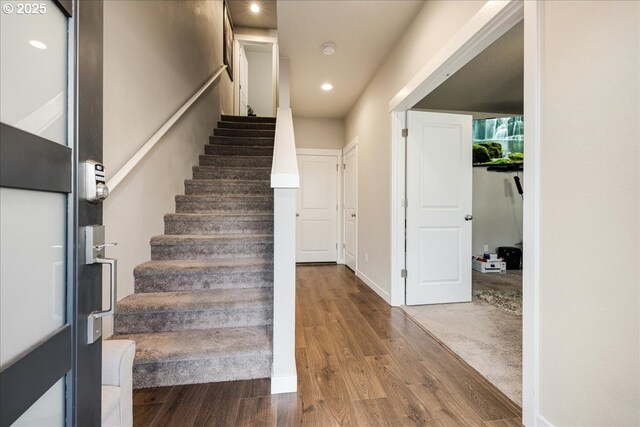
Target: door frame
point(240, 39)
point(352, 145)
point(492, 21)
point(329, 152)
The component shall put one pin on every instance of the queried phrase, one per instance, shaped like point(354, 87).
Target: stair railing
point(285, 182)
point(121, 174)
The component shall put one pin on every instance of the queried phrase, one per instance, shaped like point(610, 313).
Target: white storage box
point(483, 266)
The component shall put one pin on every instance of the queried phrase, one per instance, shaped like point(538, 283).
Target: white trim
point(398, 212)
point(542, 422)
point(288, 384)
point(122, 173)
point(284, 168)
point(492, 21)
point(319, 152)
point(352, 145)
point(337, 154)
point(531, 216)
point(373, 285)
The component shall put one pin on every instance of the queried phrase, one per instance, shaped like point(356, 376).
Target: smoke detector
point(328, 49)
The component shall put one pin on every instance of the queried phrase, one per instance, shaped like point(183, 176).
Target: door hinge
point(404, 203)
point(336, 246)
point(337, 167)
point(403, 273)
point(344, 166)
point(405, 132)
point(344, 246)
point(336, 206)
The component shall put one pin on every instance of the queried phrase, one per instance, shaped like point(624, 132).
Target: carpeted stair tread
point(199, 239)
point(218, 223)
point(246, 125)
point(235, 161)
point(185, 266)
point(249, 133)
point(249, 119)
point(242, 141)
point(231, 173)
point(200, 344)
point(219, 299)
point(238, 150)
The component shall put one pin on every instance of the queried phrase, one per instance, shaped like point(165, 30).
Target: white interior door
point(317, 213)
point(244, 81)
point(350, 180)
point(439, 188)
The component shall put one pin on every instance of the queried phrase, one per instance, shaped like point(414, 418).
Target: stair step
point(179, 275)
point(250, 119)
point(217, 204)
point(194, 247)
point(236, 150)
point(243, 174)
point(201, 356)
point(249, 133)
point(224, 188)
point(246, 125)
point(236, 161)
point(190, 223)
point(241, 141)
point(188, 310)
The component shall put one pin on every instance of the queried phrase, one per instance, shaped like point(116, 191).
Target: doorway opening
point(487, 27)
point(255, 76)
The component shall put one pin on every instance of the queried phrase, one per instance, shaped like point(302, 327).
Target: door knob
point(297, 214)
point(353, 215)
point(468, 217)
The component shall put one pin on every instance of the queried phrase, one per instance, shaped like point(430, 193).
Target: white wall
point(318, 133)
point(260, 79)
point(156, 56)
point(497, 209)
point(369, 120)
point(590, 214)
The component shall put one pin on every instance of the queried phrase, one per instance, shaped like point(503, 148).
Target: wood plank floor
point(360, 363)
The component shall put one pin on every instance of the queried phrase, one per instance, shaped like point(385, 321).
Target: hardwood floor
point(360, 363)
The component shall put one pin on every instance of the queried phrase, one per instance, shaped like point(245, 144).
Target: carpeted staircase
point(203, 306)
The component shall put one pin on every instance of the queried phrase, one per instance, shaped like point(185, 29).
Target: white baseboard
point(288, 384)
point(543, 422)
point(377, 289)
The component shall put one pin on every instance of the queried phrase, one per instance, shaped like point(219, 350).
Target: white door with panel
point(350, 185)
point(317, 212)
point(439, 191)
point(244, 81)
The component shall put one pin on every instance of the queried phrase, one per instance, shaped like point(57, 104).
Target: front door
point(50, 120)
point(439, 178)
point(317, 209)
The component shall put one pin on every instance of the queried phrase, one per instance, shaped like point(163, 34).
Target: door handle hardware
point(94, 254)
point(353, 215)
point(468, 217)
point(297, 214)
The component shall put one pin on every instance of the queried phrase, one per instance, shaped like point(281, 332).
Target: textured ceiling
point(243, 17)
point(364, 32)
point(492, 82)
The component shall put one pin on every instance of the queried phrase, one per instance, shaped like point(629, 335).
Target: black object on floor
point(512, 256)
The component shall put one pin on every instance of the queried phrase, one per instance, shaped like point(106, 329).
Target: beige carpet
point(485, 336)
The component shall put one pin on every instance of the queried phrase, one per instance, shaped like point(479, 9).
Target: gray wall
point(156, 56)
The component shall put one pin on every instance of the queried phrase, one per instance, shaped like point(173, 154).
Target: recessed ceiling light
point(255, 7)
point(326, 86)
point(328, 49)
point(37, 44)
